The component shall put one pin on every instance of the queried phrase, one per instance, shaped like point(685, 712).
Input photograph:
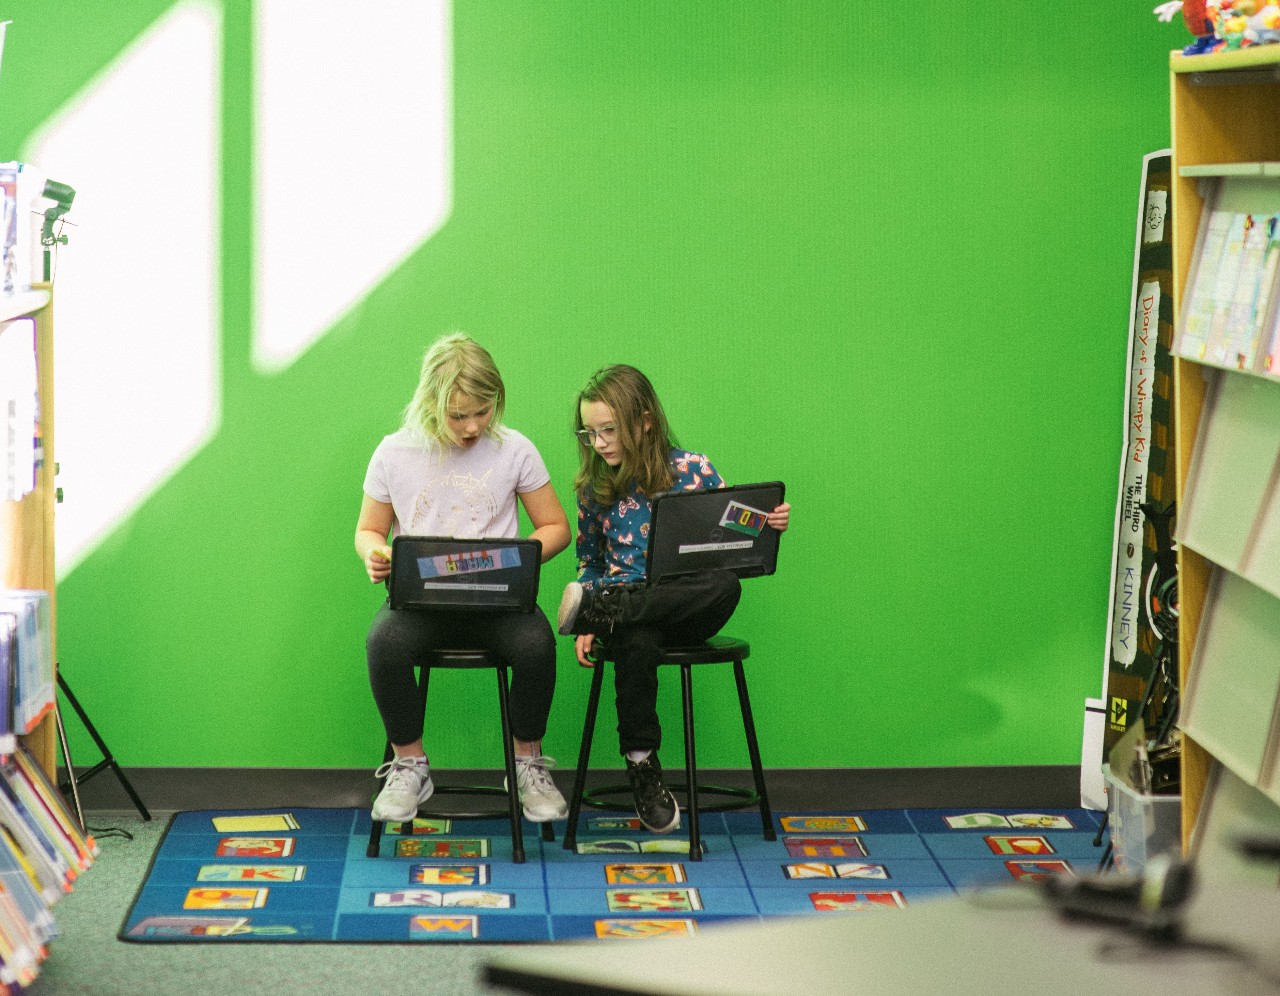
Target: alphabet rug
point(303, 874)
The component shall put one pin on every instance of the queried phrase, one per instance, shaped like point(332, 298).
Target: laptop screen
point(701, 530)
point(440, 572)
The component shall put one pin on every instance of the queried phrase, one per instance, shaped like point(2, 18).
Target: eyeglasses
point(606, 435)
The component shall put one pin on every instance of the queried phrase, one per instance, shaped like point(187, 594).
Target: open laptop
point(701, 530)
point(440, 572)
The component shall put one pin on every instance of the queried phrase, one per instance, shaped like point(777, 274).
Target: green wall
point(884, 258)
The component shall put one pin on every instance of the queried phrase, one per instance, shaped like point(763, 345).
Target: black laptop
point(440, 572)
point(726, 528)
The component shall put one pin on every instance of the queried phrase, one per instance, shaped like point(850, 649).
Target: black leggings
point(682, 612)
point(397, 641)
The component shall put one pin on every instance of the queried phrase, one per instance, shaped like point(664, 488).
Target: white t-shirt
point(439, 490)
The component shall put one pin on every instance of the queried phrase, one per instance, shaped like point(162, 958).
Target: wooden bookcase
point(1225, 110)
point(26, 527)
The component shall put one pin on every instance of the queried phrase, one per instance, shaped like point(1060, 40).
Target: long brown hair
point(643, 434)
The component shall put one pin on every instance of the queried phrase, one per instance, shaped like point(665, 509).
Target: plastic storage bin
point(1141, 826)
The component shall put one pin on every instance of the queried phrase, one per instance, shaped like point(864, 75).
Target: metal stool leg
point(375, 826)
point(753, 748)
point(584, 758)
point(509, 755)
point(690, 764)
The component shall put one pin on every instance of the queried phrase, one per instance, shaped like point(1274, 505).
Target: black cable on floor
point(110, 832)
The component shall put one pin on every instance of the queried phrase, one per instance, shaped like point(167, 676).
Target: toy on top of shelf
point(1225, 24)
point(1195, 15)
point(1241, 23)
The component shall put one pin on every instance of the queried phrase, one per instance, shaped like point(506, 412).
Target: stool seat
point(464, 658)
point(460, 658)
point(717, 650)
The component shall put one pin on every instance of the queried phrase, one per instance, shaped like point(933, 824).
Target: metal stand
point(72, 784)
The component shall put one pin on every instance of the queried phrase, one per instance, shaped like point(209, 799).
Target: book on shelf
point(8, 678)
point(20, 448)
point(11, 269)
point(1223, 290)
point(42, 851)
point(1198, 311)
point(1269, 362)
point(32, 656)
point(21, 187)
point(1230, 312)
point(1267, 303)
point(1238, 346)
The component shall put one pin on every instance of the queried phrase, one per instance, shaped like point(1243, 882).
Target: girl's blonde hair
point(643, 434)
point(455, 364)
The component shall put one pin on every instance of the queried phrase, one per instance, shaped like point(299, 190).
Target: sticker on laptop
point(452, 565)
point(744, 519)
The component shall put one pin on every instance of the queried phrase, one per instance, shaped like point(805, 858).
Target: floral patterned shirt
point(613, 540)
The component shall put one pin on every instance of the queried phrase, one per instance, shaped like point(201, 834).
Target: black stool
point(471, 659)
point(717, 650)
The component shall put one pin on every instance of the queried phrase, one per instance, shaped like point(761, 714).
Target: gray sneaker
point(595, 611)
point(570, 602)
point(539, 796)
point(408, 786)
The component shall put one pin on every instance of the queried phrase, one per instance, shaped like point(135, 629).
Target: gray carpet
point(88, 959)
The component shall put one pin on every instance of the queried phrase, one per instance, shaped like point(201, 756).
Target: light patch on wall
point(136, 297)
point(353, 135)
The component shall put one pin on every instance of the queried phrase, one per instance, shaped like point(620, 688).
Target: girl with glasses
point(628, 455)
point(454, 469)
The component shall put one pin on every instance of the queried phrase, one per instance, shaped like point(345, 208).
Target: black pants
point(682, 612)
point(397, 641)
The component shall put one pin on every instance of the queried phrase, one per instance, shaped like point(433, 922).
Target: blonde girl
point(453, 469)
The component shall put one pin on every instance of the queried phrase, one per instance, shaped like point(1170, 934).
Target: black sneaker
point(655, 805)
point(594, 611)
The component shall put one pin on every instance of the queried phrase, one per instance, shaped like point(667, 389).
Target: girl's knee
point(727, 586)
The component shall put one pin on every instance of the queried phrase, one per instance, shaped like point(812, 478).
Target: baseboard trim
point(165, 790)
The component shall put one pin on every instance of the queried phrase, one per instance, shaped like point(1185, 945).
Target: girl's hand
point(780, 517)
point(377, 564)
point(582, 646)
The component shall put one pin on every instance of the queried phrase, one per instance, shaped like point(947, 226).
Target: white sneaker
point(407, 787)
point(539, 796)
